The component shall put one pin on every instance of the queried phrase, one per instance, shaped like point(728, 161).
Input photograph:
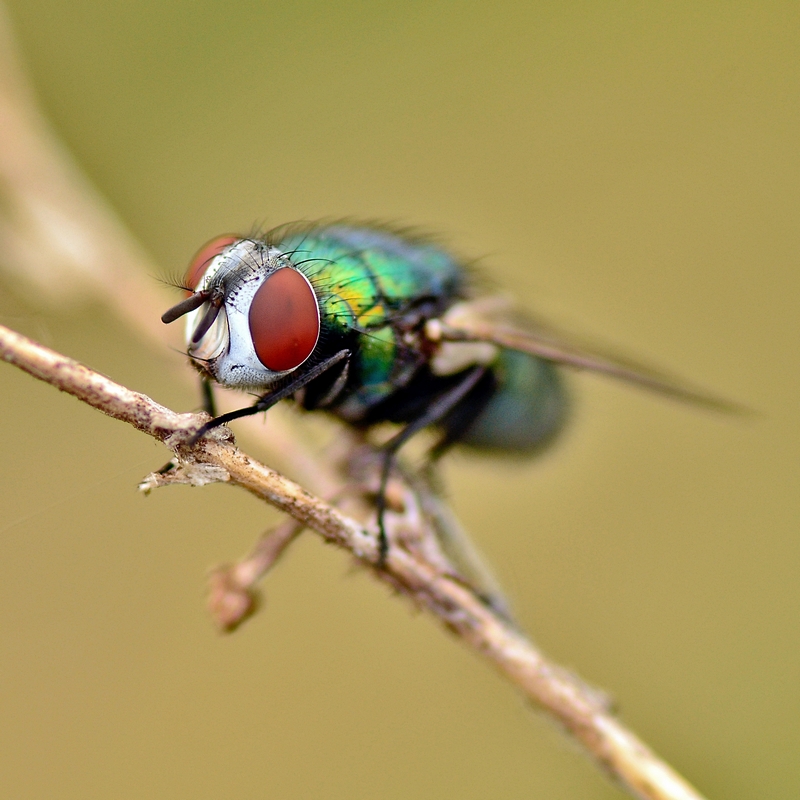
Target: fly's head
point(251, 315)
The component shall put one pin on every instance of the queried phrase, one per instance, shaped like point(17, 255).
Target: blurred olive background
point(628, 170)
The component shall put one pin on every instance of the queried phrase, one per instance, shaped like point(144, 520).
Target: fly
point(374, 325)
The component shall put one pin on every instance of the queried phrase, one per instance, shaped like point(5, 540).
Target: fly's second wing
point(484, 321)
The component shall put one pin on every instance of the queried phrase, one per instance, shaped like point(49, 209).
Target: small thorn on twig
point(232, 596)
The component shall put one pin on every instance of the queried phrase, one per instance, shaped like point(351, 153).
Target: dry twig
point(216, 459)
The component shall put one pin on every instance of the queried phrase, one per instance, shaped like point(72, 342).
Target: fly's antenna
point(187, 305)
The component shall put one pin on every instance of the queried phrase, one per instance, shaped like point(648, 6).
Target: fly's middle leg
point(436, 412)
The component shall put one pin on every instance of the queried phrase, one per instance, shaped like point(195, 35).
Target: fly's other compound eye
point(194, 298)
point(284, 320)
point(204, 256)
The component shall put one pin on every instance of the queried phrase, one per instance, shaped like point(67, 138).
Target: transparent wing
point(489, 320)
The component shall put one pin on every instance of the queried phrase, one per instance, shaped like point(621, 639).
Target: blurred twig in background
point(58, 236)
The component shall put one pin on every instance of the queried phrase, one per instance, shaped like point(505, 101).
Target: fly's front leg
point(266, 401)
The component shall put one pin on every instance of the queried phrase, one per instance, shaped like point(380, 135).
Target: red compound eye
point(203, 258)
point(284, 320)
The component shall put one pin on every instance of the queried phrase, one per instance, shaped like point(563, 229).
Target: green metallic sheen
point(527, 409)
point(363, 278)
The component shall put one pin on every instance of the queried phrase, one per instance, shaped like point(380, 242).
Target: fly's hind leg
point(436, 412)
point(458, 549)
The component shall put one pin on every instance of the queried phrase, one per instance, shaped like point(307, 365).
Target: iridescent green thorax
point(366, 276)
point(366, 280)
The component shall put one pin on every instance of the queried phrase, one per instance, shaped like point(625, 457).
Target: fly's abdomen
point(526, 405)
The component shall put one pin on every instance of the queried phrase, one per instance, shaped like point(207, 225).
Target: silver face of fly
point(260, 318)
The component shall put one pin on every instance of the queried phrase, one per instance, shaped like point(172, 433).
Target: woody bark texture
point(579, 709)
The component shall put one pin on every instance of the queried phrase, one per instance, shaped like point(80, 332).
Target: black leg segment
point(268, 400)
point(436, 412)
